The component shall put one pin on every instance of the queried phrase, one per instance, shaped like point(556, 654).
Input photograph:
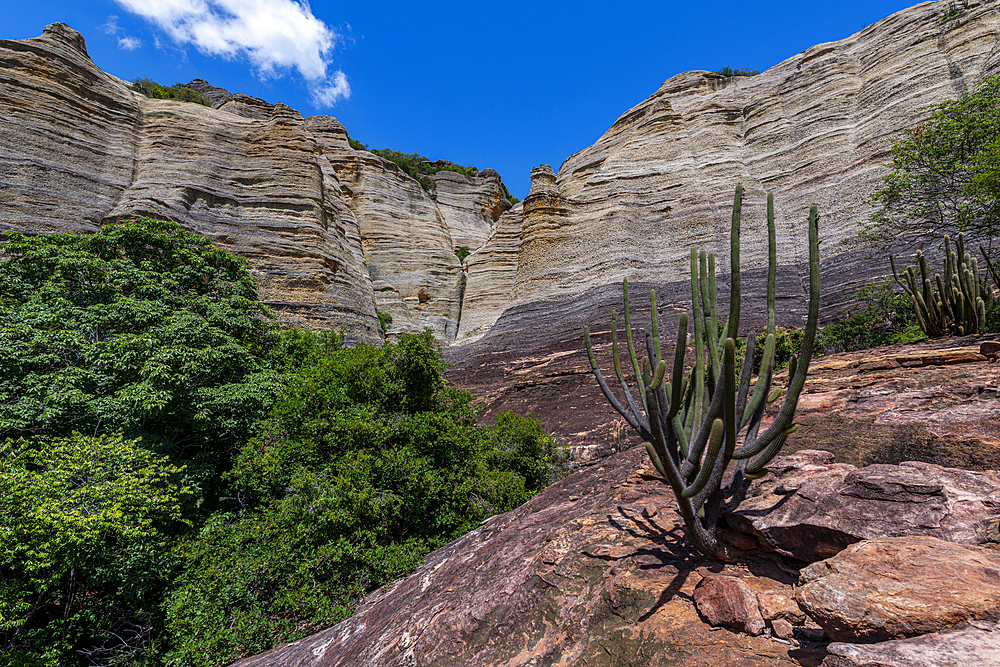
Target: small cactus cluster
point(691, 421)
point(956, 304)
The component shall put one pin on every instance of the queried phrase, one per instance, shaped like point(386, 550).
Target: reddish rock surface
point(937, 401)
point(974, 644)
point(808, 507)
point(593, 571)
point(897, 587)
point(728, 601)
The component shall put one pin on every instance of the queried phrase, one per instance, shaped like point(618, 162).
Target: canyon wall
point(332, 234)
point(816, 128)
point(335, 235)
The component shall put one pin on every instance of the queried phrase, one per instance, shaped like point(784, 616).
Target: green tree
point(367, 463)
point(945, 174)
point(141, 328)
point(82, 549)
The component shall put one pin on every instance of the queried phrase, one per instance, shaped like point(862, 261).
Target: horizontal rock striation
point(816, 128)
point(78, 148)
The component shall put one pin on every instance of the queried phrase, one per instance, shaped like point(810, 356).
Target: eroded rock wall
point(78, 148)
point(816, 128)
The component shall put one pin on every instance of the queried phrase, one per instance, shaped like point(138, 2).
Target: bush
point(178, 92)
point(729, 71)
point(82, 549)
point(885, 317)
point(367, 463)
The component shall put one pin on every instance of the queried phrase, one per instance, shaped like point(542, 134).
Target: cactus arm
point(729, 396)
point(697, 445)
point(797, 380)
point(678, 374)
point(698, 378)
point(618, 371)
point(631, 345)
point(758, 390)
point(629, 417)
point(710, 324)
point(734, 267)
point(655, 459)
point(746, 372)
point(714, 444)
point(656, 324)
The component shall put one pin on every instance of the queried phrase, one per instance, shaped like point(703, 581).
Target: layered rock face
point(330, 233)
point(816, 128)
point(78, 148)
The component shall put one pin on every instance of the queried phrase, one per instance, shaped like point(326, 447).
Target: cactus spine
point(690, 422)
point(955, 304)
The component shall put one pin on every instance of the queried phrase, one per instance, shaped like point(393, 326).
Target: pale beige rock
point(78, 148)
point(491, 274)
point(816, 128)
point(470, 205)
point(406, 243)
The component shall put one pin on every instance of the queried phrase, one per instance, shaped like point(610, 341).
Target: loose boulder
point(728, 601)
point(808, 507)
point(976, 643)
point(897, 587)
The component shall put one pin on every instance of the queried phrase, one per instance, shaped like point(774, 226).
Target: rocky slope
point(331, 233)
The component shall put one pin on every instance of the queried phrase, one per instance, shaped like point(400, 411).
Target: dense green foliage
point(729, 71)
point(237, 485)
point(946, 173)
point(367, 463)
point(462, 252)
point(142, 328)
point(178, 91)
point(82, 550)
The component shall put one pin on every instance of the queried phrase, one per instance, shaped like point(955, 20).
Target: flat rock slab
point(595, 570)
point(898, 587)
point(976, 644)
point(809, 507)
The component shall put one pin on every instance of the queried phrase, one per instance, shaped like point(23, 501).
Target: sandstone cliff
point(816, 128)
point(331, 233)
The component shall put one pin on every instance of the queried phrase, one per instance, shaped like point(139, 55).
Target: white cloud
point(334, 89)
point(274, 35)
point(111, 26)
point(129, 43)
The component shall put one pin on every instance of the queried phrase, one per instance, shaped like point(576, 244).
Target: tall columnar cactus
point(691, 421)
point(956, 304)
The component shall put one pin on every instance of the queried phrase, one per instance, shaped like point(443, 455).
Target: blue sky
point(503, 85)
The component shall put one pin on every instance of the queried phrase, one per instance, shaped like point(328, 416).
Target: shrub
point(178, 91)
point(729, 71)
point(883, 316)
point(368, 462)
point(462, 252)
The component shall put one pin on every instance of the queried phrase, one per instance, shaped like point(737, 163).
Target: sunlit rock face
point(816, 128)
point(78, 148)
